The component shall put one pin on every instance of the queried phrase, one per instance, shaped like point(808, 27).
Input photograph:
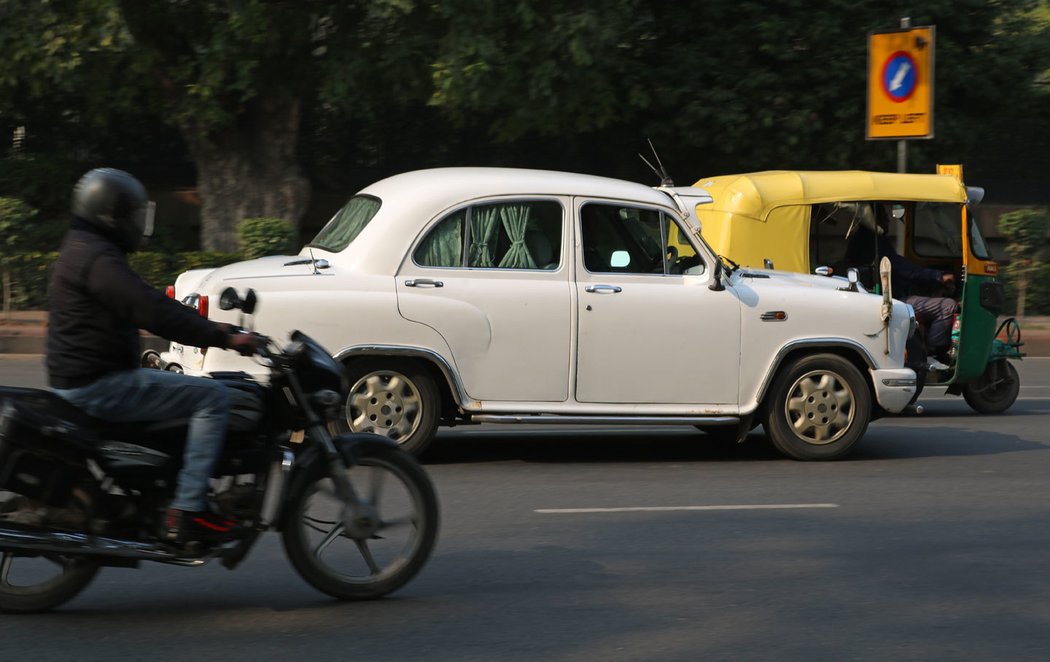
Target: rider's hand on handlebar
point(948, 278)
point(245, 344)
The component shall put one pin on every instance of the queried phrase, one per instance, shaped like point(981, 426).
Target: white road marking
point(959, 398)
point(648, 509)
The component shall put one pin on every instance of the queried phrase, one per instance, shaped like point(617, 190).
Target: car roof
point(410, 200)
point(755, 194)
point(448, 186)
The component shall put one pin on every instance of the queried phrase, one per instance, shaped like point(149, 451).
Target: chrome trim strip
point(555, 419)
point(459, 394)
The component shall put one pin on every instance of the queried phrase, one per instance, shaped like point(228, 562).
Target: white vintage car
point(520, 296)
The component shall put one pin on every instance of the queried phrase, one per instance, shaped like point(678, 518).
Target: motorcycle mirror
point(229, 300)
point(250, 301)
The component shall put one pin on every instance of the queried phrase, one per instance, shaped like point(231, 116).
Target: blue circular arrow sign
point(899, 76)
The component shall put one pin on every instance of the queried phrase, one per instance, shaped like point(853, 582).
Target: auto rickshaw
point(824, 223)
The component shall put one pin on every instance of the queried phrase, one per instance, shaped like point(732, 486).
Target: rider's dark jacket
point(97, 306)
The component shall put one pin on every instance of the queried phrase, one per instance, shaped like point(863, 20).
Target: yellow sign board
point(900, 84)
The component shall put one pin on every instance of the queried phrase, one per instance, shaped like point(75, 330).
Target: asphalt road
point(930, 543)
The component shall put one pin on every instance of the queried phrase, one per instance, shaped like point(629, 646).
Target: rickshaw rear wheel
point(818, 408)
point(996, 390)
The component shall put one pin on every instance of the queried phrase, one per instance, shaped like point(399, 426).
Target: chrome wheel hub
point(385, 403)
point(820, 407)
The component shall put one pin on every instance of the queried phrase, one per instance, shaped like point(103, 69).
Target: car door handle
point(423, 282)
point(603, 289)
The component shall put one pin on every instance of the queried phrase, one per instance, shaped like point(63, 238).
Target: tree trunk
point(249, 170)
point(1022, 287)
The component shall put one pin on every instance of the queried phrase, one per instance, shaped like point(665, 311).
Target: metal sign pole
point(902, 144)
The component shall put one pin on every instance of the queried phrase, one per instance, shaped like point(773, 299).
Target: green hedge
point(30, 271)
point(265, 236)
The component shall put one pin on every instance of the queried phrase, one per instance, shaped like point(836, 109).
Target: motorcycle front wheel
point(375, 548)
point(38, 583)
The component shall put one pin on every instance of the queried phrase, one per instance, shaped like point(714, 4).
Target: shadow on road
point(685, 445)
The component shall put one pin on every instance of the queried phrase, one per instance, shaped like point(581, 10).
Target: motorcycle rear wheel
point(384, 548)
point(27, 587)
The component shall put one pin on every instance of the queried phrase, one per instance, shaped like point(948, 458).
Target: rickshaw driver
point(935, 314)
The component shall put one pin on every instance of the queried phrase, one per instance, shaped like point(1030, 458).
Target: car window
point(520, 234)
point(623, 239)
point(346, 224)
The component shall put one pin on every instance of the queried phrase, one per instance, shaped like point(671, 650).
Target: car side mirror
point(716, 278)
point(619, 259)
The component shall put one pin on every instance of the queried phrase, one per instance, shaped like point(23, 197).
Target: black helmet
point(116, 203)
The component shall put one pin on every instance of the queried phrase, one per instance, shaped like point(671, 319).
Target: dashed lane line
point(649, 509)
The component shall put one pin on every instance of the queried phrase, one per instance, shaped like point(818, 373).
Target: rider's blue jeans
point(154, 395)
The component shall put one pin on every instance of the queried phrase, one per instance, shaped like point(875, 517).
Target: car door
point(493, 279)
point(650, 328)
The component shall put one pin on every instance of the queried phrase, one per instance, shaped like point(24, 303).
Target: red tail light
point(170, 291)
point(202, 306)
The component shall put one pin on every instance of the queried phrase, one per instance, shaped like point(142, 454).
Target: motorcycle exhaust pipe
point(82, 544)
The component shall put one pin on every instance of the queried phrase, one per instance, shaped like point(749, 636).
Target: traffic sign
point(900, 84)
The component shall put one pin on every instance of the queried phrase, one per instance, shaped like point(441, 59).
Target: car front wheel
point(818, 408)
point(396, 399)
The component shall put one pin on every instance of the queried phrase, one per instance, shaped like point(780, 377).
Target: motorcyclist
point(97, 306)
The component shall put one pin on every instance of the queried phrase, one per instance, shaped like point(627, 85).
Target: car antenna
point(661, 172)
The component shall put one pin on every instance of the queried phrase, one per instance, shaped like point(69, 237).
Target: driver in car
point(97, 306)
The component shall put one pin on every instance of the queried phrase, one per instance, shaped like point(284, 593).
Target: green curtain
point(443, 247)
point(515, 221)
point(346, 224)
point(484, 223)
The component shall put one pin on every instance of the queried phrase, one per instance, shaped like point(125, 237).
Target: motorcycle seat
point(56, 416)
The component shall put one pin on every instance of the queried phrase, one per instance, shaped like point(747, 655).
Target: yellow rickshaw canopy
point(755, 194)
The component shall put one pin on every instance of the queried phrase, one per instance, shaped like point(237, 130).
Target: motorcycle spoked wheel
point(38, 583)
point(31, 582)
point(384, 548)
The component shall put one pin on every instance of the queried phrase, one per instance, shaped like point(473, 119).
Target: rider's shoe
point(184, 528)
point(935, 365)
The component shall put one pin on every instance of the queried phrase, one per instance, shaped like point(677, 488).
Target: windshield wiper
point(730, 265)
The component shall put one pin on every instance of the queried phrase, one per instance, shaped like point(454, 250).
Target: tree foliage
point(1025, 231)
point(239, 92)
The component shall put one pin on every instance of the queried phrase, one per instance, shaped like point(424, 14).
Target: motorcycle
point(358, 517)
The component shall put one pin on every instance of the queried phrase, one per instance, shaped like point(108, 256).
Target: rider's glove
point(245, 344)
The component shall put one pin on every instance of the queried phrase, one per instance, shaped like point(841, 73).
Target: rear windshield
point(346, 224)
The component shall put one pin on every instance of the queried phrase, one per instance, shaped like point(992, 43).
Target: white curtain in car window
point(516, 221)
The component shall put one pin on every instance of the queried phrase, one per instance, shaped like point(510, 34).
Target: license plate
point(188, 357)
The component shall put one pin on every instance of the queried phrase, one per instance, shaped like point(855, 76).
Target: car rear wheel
point(818, 408)
point(396, 399)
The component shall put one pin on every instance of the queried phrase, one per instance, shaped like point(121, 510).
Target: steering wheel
point(671, 253)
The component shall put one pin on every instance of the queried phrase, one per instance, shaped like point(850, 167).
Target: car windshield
point(346, 224)
point(938, 232)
